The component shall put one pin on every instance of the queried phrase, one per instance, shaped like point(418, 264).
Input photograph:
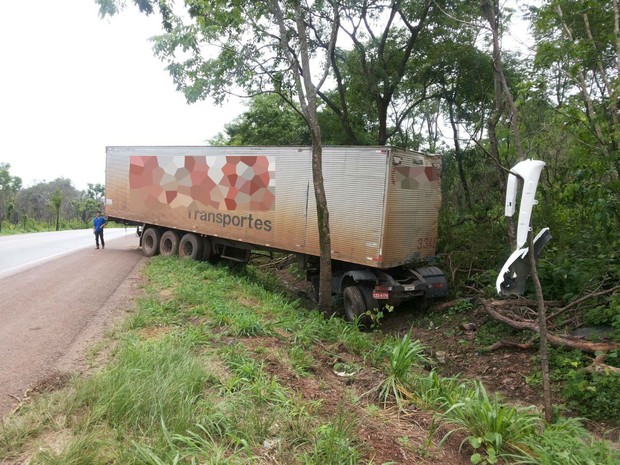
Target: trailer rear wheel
point(150, 242)
point(354, 304)
point(169, 243)
point(208, 250)
point(191, 247)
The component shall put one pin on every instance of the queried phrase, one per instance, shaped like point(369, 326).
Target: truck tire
point(436, 279)
point(208, 251)
point(191, 247)
point(354, 304)
point(169, 243)
point(150, 242)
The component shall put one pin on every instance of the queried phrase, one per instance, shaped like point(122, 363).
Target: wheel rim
point(188, 249)
point(166, 247)
point(349, 309)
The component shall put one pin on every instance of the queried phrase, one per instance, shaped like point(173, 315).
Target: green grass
point(403, 357)
point(334, 442)
point(208, 370)
point(148, 382)
point(493, 428)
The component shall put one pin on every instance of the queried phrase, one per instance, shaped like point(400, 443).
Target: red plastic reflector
point(438, 285)
point(380, 295)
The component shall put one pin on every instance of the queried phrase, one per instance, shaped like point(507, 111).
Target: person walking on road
point(98, 223)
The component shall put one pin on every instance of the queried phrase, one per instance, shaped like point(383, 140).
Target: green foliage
point(590, 394)
point(594, 395)
point(493, 331)
point(334, 442)
point(197, 446)
point(439, 393)
point(499, 433)
point(91, 448)
point(301, 359)
point(493, 429)
point(181, 390)
point(567, 442)
point(268, 121)
point(403, 357)
point(149, 382)
point(471, 239)
point(9, 186)
point(374, 316)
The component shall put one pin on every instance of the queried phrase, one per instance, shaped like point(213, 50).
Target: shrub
point(594, 395)
point(494, 429)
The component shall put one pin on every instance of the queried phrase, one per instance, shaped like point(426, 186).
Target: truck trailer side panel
point(383, 203)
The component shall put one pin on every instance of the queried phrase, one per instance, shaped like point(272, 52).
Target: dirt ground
point(452, 348)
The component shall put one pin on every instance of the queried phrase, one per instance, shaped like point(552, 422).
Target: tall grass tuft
point(404, 356)
point(149, 382)
point(494, 429)
point(90, 448)
point(195, 447)
point(438, 393)
point(336, 442)
point(567, 442)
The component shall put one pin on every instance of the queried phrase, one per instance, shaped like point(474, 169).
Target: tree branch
point(582, 299)
point(555, 340)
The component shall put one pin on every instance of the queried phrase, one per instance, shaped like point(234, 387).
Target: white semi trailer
point(223, 202)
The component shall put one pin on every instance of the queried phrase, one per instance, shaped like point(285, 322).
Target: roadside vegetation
point(219, 365)
point(45, 206)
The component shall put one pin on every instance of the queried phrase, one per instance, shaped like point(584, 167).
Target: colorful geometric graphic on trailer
point(226, 183)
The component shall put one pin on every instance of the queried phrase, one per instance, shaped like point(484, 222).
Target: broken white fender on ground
point(516, 270)
point(529, 171)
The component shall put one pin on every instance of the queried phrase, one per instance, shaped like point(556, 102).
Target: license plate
point(380, 295)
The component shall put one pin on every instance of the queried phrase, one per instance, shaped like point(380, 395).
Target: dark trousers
point(99, 235)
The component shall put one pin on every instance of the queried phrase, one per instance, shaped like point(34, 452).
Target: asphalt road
point(56, 301)
point(22, 251)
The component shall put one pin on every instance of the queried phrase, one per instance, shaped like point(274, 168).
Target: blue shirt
point(98, 223)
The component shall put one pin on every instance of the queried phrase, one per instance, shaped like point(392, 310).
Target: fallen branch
point(503, 344)
point(523, 302)
point(582, 299)
point(555, 340)
point(20, 402)
point(598, 365)
point(446, 305)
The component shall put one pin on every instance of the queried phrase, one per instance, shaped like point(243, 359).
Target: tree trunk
point(382, 110)
point(580, 78)
point(309, 108)
point(502, 92)
point(488, 8)
point(542, 323)
point(494, 152)
point(325, 276)
point(458, 154)
point(501, 86)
